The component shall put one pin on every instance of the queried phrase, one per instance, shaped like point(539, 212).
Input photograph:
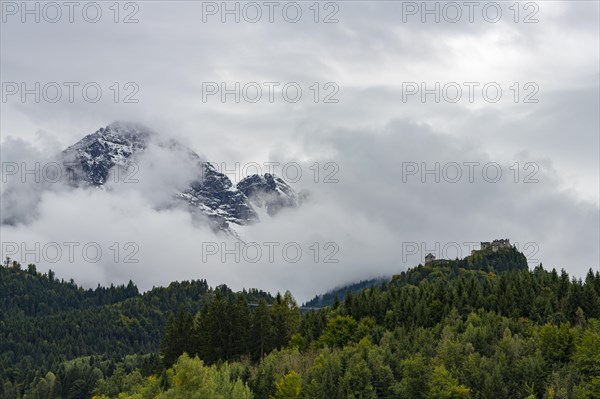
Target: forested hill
point(481, 262)
point(45, 321)
point(484, 260)
point(481, 327)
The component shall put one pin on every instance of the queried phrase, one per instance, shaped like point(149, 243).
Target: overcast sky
point(542, 131)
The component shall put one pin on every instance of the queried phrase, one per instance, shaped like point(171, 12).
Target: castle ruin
point(496, 245)
point(429, 258)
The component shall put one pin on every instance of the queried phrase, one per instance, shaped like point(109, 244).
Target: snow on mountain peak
point(211, 193)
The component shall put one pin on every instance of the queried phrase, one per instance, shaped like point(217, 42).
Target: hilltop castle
point(496, 245)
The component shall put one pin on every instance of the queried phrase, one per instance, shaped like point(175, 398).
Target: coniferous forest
point(481, 327)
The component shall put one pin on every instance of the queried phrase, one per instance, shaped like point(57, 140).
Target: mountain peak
point(117, 145)
point(91, 159)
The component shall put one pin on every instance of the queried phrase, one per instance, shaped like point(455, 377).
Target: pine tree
point(262, 330)
point(178, 337)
